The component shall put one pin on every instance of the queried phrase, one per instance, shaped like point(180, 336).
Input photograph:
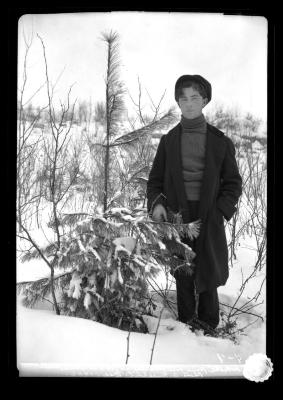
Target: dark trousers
point(207, 309)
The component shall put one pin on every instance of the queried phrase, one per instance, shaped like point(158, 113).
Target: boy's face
point(191, 103)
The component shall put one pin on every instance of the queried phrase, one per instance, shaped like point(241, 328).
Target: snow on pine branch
point(34, 291)
point(115, 223)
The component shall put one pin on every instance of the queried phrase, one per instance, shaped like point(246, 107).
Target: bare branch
point(155, 335)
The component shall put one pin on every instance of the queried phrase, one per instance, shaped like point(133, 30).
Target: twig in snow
point(159, 291)
point(155, 335)
point(245, 327)
point(128, 345)
point(241, 311)
point(128, 337)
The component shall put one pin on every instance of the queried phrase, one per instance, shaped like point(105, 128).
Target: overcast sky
point(157, 47)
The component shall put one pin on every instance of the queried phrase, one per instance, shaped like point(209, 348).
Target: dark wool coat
point(220, 191)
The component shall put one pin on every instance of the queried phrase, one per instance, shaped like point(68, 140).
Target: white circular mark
point(258, 367)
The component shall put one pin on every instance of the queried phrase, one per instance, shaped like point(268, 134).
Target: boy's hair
point(197, 82)
point(195, 85)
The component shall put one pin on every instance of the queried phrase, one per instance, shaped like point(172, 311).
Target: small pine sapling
point(107, 260)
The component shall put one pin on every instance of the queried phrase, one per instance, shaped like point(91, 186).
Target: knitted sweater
point(193, 142)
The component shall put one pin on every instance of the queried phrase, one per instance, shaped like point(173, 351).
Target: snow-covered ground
point(51, 345)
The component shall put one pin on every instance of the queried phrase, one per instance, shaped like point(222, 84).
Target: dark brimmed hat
point(195, 78)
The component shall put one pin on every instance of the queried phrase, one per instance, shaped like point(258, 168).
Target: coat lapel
point(175, 158)
point(214, 154)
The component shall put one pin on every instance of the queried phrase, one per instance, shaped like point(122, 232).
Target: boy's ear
point(205, 101)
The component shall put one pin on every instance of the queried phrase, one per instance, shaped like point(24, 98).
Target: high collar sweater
point(193, 142)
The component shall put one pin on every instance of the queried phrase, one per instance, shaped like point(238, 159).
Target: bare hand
point(159, 213)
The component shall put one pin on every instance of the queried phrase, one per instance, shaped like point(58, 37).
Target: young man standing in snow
point(195, 173)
